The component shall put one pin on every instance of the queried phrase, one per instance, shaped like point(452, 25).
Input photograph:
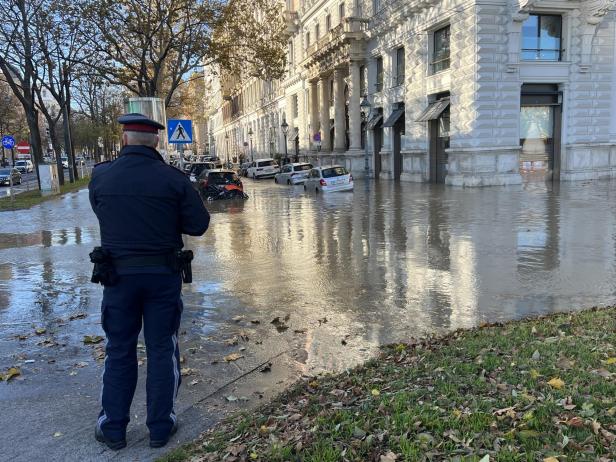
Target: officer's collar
point(141, 150)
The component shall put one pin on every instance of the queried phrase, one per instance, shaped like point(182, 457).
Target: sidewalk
point(540, 389)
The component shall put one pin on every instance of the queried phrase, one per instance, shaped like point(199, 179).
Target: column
point(326, 142)
point(339, 119)
point(314, 110)
point(354, 109)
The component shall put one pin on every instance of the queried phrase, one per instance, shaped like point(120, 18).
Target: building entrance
point(540, 130)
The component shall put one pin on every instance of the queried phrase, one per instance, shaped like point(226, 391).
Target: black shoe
point(161, 443)
point(113, 445)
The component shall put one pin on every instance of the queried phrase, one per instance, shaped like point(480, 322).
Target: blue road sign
point(8, 142)
point(179, 131)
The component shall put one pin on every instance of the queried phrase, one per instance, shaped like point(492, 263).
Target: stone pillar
point(326, 142)
point(314, 111)
point(354, 109)
point(339, 119)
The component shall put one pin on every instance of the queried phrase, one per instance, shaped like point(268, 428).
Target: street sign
point(179, 131)
point(8, 142)
point(23, 147)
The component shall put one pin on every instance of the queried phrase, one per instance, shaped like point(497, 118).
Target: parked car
point(243, 170)
point(293, 173)
point(329, 179)
point(24, 166)
point(220, 184)
point(64, 161)
point(263, 168)
point(8, 174)
point(197, 168)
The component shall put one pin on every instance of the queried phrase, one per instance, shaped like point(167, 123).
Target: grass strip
point(541, 389)
point(28, 199)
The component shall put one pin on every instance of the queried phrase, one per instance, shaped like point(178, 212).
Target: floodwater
point(350, 270)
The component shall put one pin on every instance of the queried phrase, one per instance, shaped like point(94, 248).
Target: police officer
point(143, 206)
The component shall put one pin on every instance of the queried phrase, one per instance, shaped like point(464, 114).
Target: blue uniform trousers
point(156, 300)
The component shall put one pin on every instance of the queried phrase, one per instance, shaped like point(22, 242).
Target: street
point(302, 282)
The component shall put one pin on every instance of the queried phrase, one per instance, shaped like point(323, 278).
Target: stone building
point(467, 93)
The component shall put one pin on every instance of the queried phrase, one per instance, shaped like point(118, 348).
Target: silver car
point(293, 174)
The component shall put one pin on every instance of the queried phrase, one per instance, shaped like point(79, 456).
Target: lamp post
point(285, 129)
point(365, 107)
point(250, 133)
point(227, 146)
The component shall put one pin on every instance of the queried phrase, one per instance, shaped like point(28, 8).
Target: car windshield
point(265, 163)
point(302, 168)
point(334, 171)
point(20, 162)
point(222, 177)
point(5, 171)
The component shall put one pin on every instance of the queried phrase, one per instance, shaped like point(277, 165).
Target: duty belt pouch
point(183, 262)
point(103, 272)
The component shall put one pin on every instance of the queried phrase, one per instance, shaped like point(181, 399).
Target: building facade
point(467, 93)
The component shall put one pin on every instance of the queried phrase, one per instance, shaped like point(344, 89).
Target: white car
point(293, 173)
point(64, 162)
point(24, 166)
point(263, 168)
point(329, 179)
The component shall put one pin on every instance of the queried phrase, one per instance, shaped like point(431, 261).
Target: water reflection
point(383, 263)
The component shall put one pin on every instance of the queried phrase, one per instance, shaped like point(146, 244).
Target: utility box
point(50, 183)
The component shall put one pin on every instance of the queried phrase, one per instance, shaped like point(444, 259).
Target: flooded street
point(344, 273)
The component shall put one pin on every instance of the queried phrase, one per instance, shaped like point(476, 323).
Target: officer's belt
point(144, 261)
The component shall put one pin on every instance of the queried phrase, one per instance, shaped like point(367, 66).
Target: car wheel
point(275, 180)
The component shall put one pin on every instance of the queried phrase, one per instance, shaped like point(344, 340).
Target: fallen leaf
point(576, 422)
point(57, 435)
point(40, 331)
point(389, 457)
point(77, 316)
point(610, 361)
point(231, 398)
point(266, 368)
point(187, 371)
point(81, 364)
point(92, 339)
point(300, 331)
point(556, 383)
point(375, 392)
point(281, 327)
point(276, 321)
point(233, 357)
point(237, 318)
point(194, 382)
point(486, 458)
point(534, 374)
point(10, 373)
point(255, 321)
point(536, 356)
point(550, 459)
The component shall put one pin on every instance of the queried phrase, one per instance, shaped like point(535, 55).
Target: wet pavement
point(349, 271)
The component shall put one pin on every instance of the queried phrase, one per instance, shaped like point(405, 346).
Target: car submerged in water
point(220, 184)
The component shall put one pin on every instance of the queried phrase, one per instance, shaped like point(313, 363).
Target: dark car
point(6, 174)
point(220, 184)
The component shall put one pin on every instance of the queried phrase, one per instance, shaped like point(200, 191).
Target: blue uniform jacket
point(144, 205)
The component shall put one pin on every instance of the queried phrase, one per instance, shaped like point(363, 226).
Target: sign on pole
point(8, 142)
point(179, 131)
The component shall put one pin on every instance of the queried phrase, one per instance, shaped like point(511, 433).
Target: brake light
point(323, 182)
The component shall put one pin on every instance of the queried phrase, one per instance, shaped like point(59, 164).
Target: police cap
point(136, 122)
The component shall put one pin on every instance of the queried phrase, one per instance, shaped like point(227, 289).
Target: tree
point(19, 61)
point(148, 46)
point(12, 118)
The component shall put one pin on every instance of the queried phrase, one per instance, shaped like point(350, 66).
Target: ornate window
point(400, 66)
point(379, 73)
point(440, 50)
point(542, 38)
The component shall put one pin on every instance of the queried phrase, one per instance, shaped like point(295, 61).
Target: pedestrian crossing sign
point(179, 131)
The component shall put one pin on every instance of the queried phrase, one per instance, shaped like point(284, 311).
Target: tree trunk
point(56, 149)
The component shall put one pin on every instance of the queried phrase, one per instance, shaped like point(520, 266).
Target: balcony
point(347, 39)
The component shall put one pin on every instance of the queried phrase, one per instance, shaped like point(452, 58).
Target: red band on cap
point(140, 128)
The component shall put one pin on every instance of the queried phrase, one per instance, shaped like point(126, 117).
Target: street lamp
point(285, 129)
point(250, 133)
point(365, 107)
point(227, 146)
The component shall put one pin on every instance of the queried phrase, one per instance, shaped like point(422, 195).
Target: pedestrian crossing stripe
point(180, 131)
